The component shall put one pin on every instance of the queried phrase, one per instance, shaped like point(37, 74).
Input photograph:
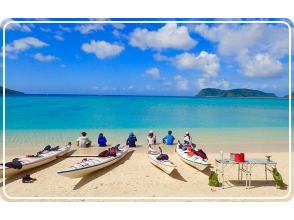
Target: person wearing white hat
point(151, 139)
point(188, 138)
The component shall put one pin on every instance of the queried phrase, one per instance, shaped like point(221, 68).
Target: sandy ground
point(134, 176)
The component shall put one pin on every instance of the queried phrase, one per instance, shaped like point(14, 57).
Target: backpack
point(104, 154)
point(14, 164)
point(48, 147)
point(201, 153)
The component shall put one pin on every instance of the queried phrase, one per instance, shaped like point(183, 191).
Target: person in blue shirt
point(169, 138)
point(131, 140)
point(101, 140)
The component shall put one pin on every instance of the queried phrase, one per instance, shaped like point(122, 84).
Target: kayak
point(89, 165)
point(41, 158)
point(195, 161)
point(164, 165)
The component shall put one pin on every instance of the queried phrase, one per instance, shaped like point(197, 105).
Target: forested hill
point(9, 91)
point(210, 92)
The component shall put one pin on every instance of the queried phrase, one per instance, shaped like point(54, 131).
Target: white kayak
point(92, 164)
point(45, 156)
point(195, 161)
point(165, 165)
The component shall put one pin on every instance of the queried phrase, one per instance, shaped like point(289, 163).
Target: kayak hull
point(166, 165)
point(93, 164)
point(194, 161)
point(32, 162)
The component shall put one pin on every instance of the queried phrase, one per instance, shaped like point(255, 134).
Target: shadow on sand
point(102, 172)
point(255, 184)
point(34, 170)
point(174, 174)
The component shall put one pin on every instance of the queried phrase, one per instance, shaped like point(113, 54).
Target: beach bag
point(184, 148)
point(201, 154)
point(278, 178)
point(48, 147)
point(213, 181)
point(15, 164)
point(240, 157)
point(104, 154)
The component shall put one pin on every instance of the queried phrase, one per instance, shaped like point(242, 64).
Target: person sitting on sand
point(187, 139)
point(101, 140)
point(170, 139)
point(151, 139)
point(83, 141)
point(131, 140)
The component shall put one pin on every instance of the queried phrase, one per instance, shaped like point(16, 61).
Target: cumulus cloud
point(118, 34)
point(40, 57)
point(58, 37)
point(182, 83)
point(166, 85)
point(95, 87)
point(148, 87)
point(24, 44)
point(103, 49)
point(169, 36)
point(62, 65)
point(89, 28)
point(118, 25)
point(45, 29)
point(153, 73)
point(67, 29)
point(14, 26)
point(131, 87)
point(207, 83)
point(260, 65)
point(262, 37)
point(207, 63)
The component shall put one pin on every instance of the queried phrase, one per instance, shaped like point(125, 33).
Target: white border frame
point(148, 198)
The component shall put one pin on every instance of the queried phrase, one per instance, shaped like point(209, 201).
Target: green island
point(9, 91)
point(287, 96)
point(242, 93)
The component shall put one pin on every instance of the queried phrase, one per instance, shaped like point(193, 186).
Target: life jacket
point(112, 152)
point(162, 157)
point(189, 147)
point(191, 153)
point(104, 154)
point(14, 164)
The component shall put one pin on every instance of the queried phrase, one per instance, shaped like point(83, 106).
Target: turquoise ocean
point(34, 121)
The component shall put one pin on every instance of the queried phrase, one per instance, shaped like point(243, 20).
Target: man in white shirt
point(83, 141)
point(187, 139)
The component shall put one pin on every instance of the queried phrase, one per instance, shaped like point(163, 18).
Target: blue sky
point(145, 58)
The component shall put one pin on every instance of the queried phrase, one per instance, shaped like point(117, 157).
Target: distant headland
point(242, 93)
point(9, 91)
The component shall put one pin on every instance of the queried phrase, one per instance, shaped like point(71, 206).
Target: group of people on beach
point(83, 141)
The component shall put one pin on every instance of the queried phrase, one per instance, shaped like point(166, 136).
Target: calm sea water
point(118, 112)
point(38, 120)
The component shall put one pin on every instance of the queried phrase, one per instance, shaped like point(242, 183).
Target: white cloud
point(14, 26)
point(31, 25)
point(260, 65)
point(103, 49)
point(24, 44)
point(182, 83)
point(89, 28)
point(95, 88)
point(253, 37)
point(159, 57)
point(229, 66)
point(154, 73)
point(118, 34)
point(40, 57)
point(58, 37)
point(207, 63)
point(118, 26)
point(104, 88)
point(131, 87)
point(67, 29)
point(167, 85)
point(148, 87)
point(206, 83)
point(62, 65)
point(45, 29)
point(169, 36)
point(249, 85)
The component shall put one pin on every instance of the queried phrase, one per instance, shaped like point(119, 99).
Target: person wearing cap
point(188, 139)
point(102, 140)
point(83, 141)
point(170, 139)
point(131, 140)
point(151, 139)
